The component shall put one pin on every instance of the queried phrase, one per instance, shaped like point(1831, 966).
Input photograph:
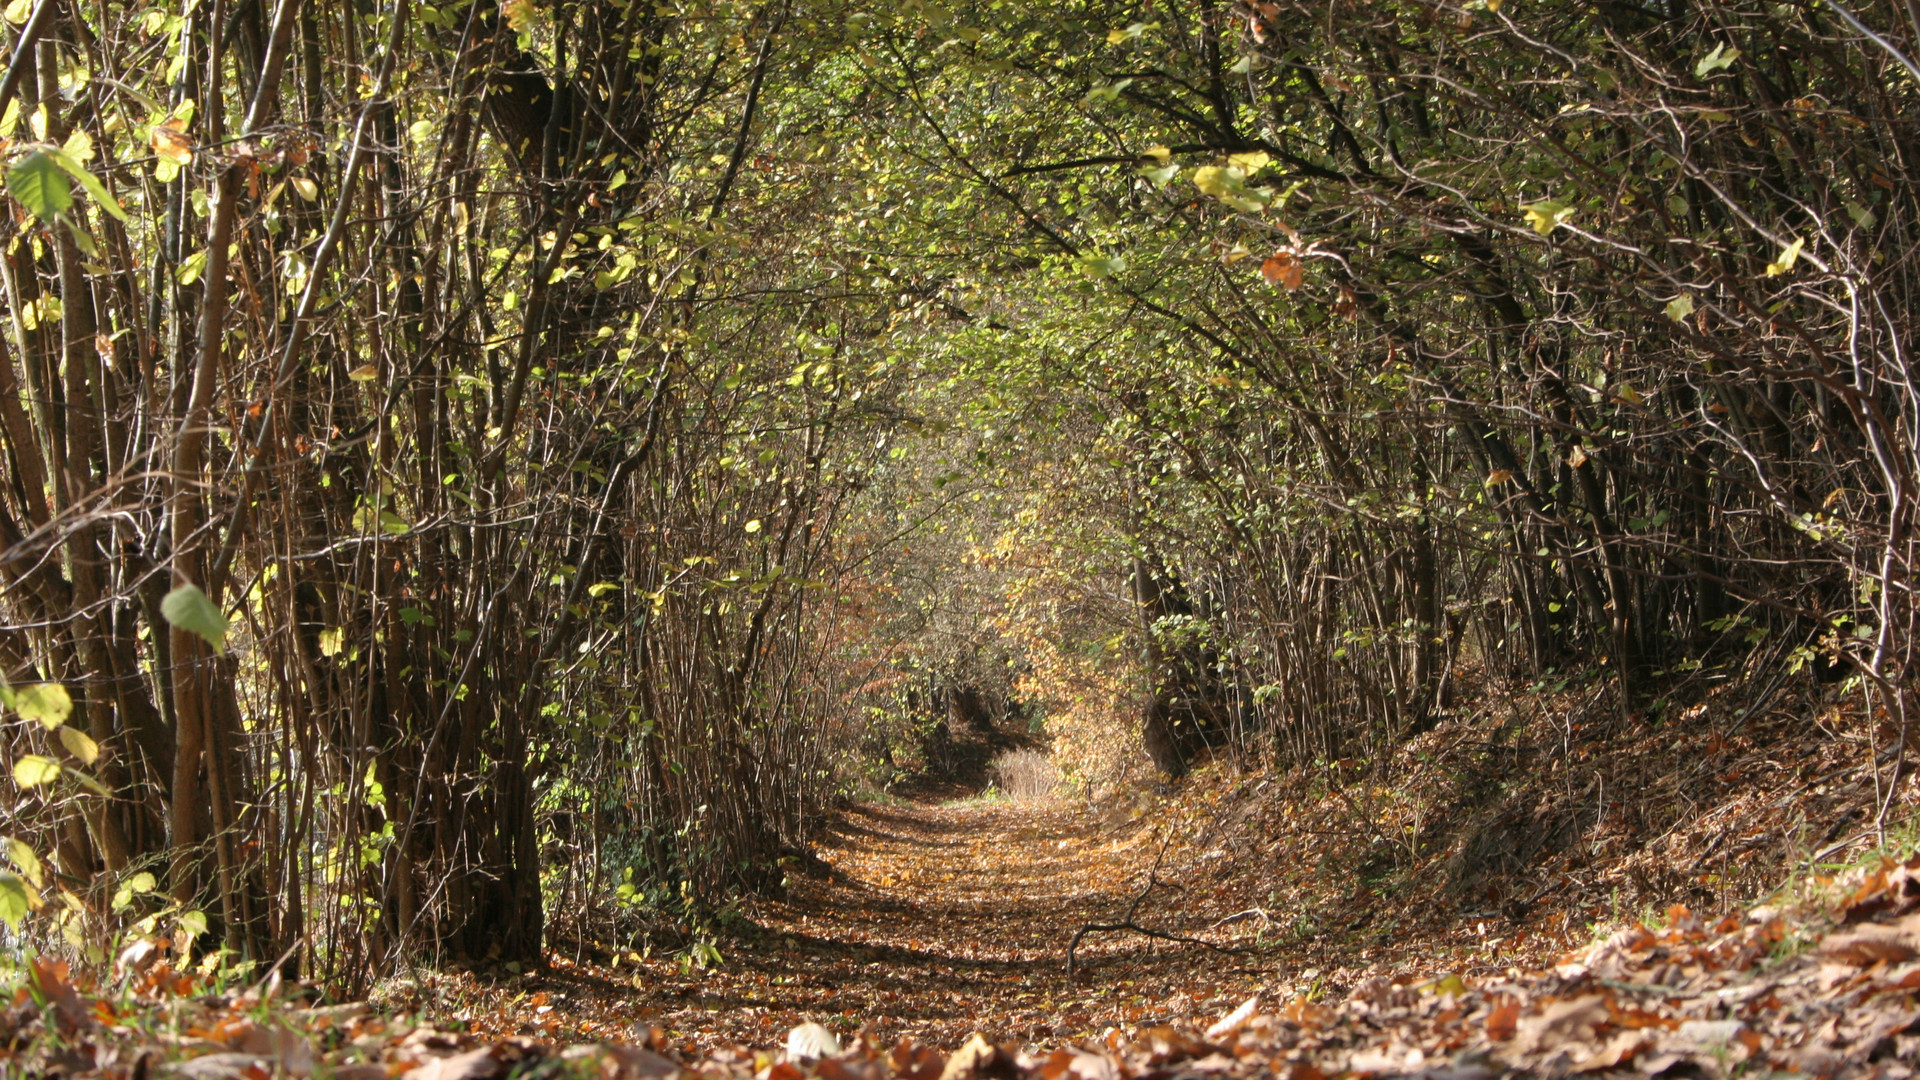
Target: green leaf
point(1161, 175)
point(79, 146)
point(1680, 307)
point(89, 783)
point(48, 703)
point(32, 770)
point(80, 745)
point(192, 923)
point(189, 609)
point(14, 900)
point(89, 181)
point(331, 640)
point(1229, 184)
point(29, 863)
point(40, 185)
point(137, 885)
point(190, 268)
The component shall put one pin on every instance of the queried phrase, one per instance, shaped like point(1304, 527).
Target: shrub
point(1026, 775)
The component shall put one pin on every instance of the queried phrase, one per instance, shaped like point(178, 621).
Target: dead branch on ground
point(1127, 922)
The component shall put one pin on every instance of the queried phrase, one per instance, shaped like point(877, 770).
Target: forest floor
point(1466, 925)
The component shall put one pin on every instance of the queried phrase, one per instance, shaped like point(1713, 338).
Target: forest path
point(932, 921)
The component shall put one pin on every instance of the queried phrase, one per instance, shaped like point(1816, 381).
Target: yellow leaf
point(1210, 179)
point(364, 373)
point(1251, 161)
point(1547, 214)
point(48, 703)
point(32, 770)
point(519, 14)
point(79, 145)
point(1788, 256)
point(1158, 153)
point(80, 745)
point(29, 863)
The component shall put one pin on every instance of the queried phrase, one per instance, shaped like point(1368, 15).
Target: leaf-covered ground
point(929, 921)
point(926, 924)
point(1506, 906)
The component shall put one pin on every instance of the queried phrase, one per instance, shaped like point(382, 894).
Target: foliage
point(455, 457)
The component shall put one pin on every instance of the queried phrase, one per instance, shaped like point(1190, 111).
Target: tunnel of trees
point(467, 468)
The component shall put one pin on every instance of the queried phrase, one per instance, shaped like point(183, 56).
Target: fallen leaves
point(854, 979)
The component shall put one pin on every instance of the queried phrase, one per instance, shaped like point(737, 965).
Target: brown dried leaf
point(1503, 1020)
point(1235, 1020)
point(1568, 1020)
point(1284, 268)
point(1894, 889)
point(171, 145)
point(980, 1058)
point(1617, 1052)
point(473, 1065)
point(1872, 943)
point(912, 1060)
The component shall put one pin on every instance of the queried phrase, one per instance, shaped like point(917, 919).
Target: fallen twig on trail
point(1126, 921)
point(1250, 913)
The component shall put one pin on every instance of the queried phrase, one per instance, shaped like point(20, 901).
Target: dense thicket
point(1435, 342)
point(459, 460)
point(436, 351)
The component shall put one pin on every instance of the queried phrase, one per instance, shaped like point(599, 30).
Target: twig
point(1126, 921)
point(1265, 919)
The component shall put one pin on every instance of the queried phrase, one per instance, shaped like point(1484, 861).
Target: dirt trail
point(931, 921)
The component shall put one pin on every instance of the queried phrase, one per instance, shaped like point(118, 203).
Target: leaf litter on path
point(931, 951)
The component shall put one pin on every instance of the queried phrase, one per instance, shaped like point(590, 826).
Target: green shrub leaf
point(189, 609)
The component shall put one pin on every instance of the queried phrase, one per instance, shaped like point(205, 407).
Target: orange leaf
point(1284, 269)
point(1503, 1020)
point(171, 145)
